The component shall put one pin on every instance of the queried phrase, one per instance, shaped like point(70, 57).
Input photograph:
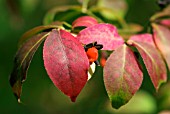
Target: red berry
point(92, 54)
point(102, 62)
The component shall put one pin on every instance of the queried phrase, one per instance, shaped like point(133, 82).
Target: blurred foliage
point(39, 94)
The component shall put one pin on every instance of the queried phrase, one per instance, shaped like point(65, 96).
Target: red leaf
point(84, 21)
point(162, 40)
point(122, 76)
point(152, 60)
point(66, 62)
point(105, 34)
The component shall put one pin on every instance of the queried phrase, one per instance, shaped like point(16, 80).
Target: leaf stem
point(85, 6)
point(122, 22)
point(67, 24)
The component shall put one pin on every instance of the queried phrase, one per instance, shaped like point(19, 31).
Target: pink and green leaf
point(162, 39)
point(66, 62)
point(22, 61)
point(105, 34)
point(122, 76)
point(152, 60)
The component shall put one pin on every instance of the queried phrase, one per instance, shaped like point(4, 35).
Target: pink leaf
point(165, 22)
point(146, 38)
point(162, 40)
point(152, 60)
point(84, 21)
point(122, 76)
point(66, 62)
point(105, 34)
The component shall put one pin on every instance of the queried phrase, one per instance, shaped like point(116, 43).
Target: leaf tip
point(117, 102)
point(130, 42)
point(16, 88)
point(159, 85)
point(115, 106)
point(73, 98)
point(17, 96)
point(19, 100)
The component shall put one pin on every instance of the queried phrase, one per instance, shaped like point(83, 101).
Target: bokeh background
point(39, 95)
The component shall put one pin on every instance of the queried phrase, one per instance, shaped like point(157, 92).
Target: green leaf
point(22, 61)
point(34, 31)
point(117, 8)
point(163, 14)
point(50, 16)
point(105, 14)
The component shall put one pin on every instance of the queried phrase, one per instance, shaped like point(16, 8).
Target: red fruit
point(92, 54)
point(102, 61)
